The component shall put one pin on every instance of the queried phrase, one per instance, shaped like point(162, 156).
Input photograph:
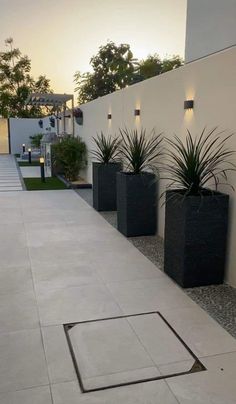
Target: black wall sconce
point(109, 116)
point(188, 104)
point(137, 112)
point(40, 123)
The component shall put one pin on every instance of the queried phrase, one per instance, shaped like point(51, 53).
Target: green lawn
point(26, 163)
point(35, 184)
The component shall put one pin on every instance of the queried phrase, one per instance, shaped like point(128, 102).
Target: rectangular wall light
point(137, 112)
point(188, 104)
point(109, 116)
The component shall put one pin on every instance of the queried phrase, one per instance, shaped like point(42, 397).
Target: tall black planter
point(104, 186)
point(196, 238)
point(136, 204)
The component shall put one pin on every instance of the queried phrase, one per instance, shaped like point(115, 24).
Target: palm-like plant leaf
point(140, 152)
point(107, 150)
point(193, 164)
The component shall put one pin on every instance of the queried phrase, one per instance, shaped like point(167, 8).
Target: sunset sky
point(60, 36)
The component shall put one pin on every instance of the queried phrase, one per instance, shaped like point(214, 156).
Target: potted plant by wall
point(104, 172)
point(196, 218)
point(137, 185)
point(40, 123)
point(52, 121)
point(78, 115)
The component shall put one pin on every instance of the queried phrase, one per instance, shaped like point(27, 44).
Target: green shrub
point(35, 140)
point(71, 155)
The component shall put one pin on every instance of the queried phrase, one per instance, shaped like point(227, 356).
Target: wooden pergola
point(58, 102)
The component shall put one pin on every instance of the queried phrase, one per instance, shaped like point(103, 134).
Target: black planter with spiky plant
point(196, 218)
point(137, 186)
point(104, 172)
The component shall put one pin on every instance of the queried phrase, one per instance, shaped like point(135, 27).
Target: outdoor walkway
point(9, 175)
point(61, 263)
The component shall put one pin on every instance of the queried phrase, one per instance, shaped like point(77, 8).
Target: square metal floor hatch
point(125, 350)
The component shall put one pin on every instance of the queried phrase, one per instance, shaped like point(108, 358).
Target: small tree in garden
point(35, 140)
point(71, 155)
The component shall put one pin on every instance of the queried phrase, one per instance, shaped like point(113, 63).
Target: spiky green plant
point(107, 150)
point(191, 165)
point(140, 152)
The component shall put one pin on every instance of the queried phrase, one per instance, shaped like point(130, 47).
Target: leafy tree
point(153, 65)
point(172, 63)
point(16, 83)
point(150, 67)
point(114, 67)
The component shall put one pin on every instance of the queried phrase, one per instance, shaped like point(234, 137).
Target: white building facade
point(210, 28)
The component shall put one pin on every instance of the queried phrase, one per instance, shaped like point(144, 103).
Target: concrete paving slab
point(15, 280)
point(215, 386)
point(87, 302)
point(60, 366)
point(38, 395)
point(146, 393)
point(18, 311)
point(22, 362)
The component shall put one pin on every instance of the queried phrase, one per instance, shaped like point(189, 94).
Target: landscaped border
point(50, 184)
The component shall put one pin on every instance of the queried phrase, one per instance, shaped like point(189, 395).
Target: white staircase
point(9, 175)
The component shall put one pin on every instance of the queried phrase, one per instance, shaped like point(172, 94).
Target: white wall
point(20, 131)
point(211, 27)
point(22, 128)
point(210, 82)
